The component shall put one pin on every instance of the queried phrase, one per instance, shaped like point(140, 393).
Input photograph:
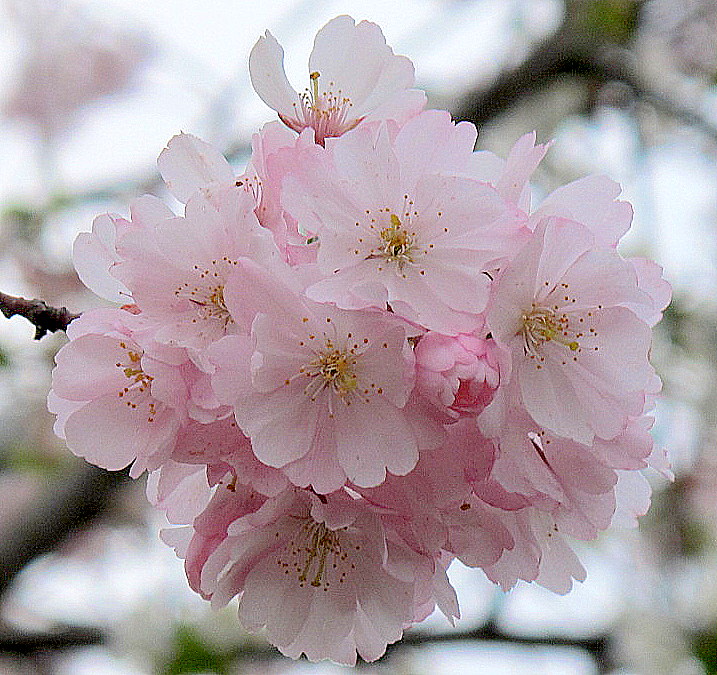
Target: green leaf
point(613, 20)
point(193, 655)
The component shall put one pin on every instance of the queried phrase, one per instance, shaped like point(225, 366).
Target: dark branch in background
point(65, 507)
point(22, 642)
point(599, 647)
point(575, 50)
point(40, 315)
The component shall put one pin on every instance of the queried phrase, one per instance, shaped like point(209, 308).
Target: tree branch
point(40, 315)
point(574, 50)
point(598, 647)
point(16, 641)
point(64, 508)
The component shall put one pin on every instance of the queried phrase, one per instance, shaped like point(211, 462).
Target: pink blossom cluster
point(364, 357)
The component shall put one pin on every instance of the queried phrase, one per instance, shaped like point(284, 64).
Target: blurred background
point(90, 93)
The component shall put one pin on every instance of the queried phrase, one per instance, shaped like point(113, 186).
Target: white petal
point(188, 163)
point(266, 67)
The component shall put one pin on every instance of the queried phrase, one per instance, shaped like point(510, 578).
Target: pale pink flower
point(322, 577)
point(591, 201)
point(117, 403)
point(177, 270)
point(422, 242)
point(579, 355)
point(457, 374)
point(353, 75)
point(452, 500)
point(208, 529)
point(657, 289)
point(190, 168)
point(181, 491)
point(540, 554)
point(437, 508)
point(336, 383)
point(276, 152)
point(561, 476)
point(632, 499)
point(224, 449)
point(188, 164)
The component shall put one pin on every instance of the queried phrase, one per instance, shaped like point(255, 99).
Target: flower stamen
point(137, 389)
point(333, 369)
point(326, 112)
point(314, 553)
point(397, 244)
point(541, 325)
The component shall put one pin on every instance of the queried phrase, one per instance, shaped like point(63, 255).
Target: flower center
point(313, 552)
point(541, 325)
point(333, 369)
point(325, 111)
point(207, 292)
point(398, 243)
point(136, 390)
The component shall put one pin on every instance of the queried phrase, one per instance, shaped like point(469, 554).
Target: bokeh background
point(91, 91)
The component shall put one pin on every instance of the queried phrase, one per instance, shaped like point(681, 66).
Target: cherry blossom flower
point(116, 402)
point(177, 270)
point(95, 253)
point(579, 355)
point(421, 243)
point(353, 76)
point(324, 577)
point(331, 380)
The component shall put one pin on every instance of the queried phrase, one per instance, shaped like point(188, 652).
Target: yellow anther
point(315, 87)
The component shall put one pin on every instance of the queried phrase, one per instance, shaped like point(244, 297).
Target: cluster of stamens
point(326, 112)
point(334, 368)
point(253, 185)
point(315, 551)
point(207, 292)
point(137, 389)
point(397, 243)
point(543, 324)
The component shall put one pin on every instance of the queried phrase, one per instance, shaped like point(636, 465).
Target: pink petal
point(188, 163)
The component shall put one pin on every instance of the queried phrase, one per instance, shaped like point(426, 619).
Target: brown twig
point(40, 315)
